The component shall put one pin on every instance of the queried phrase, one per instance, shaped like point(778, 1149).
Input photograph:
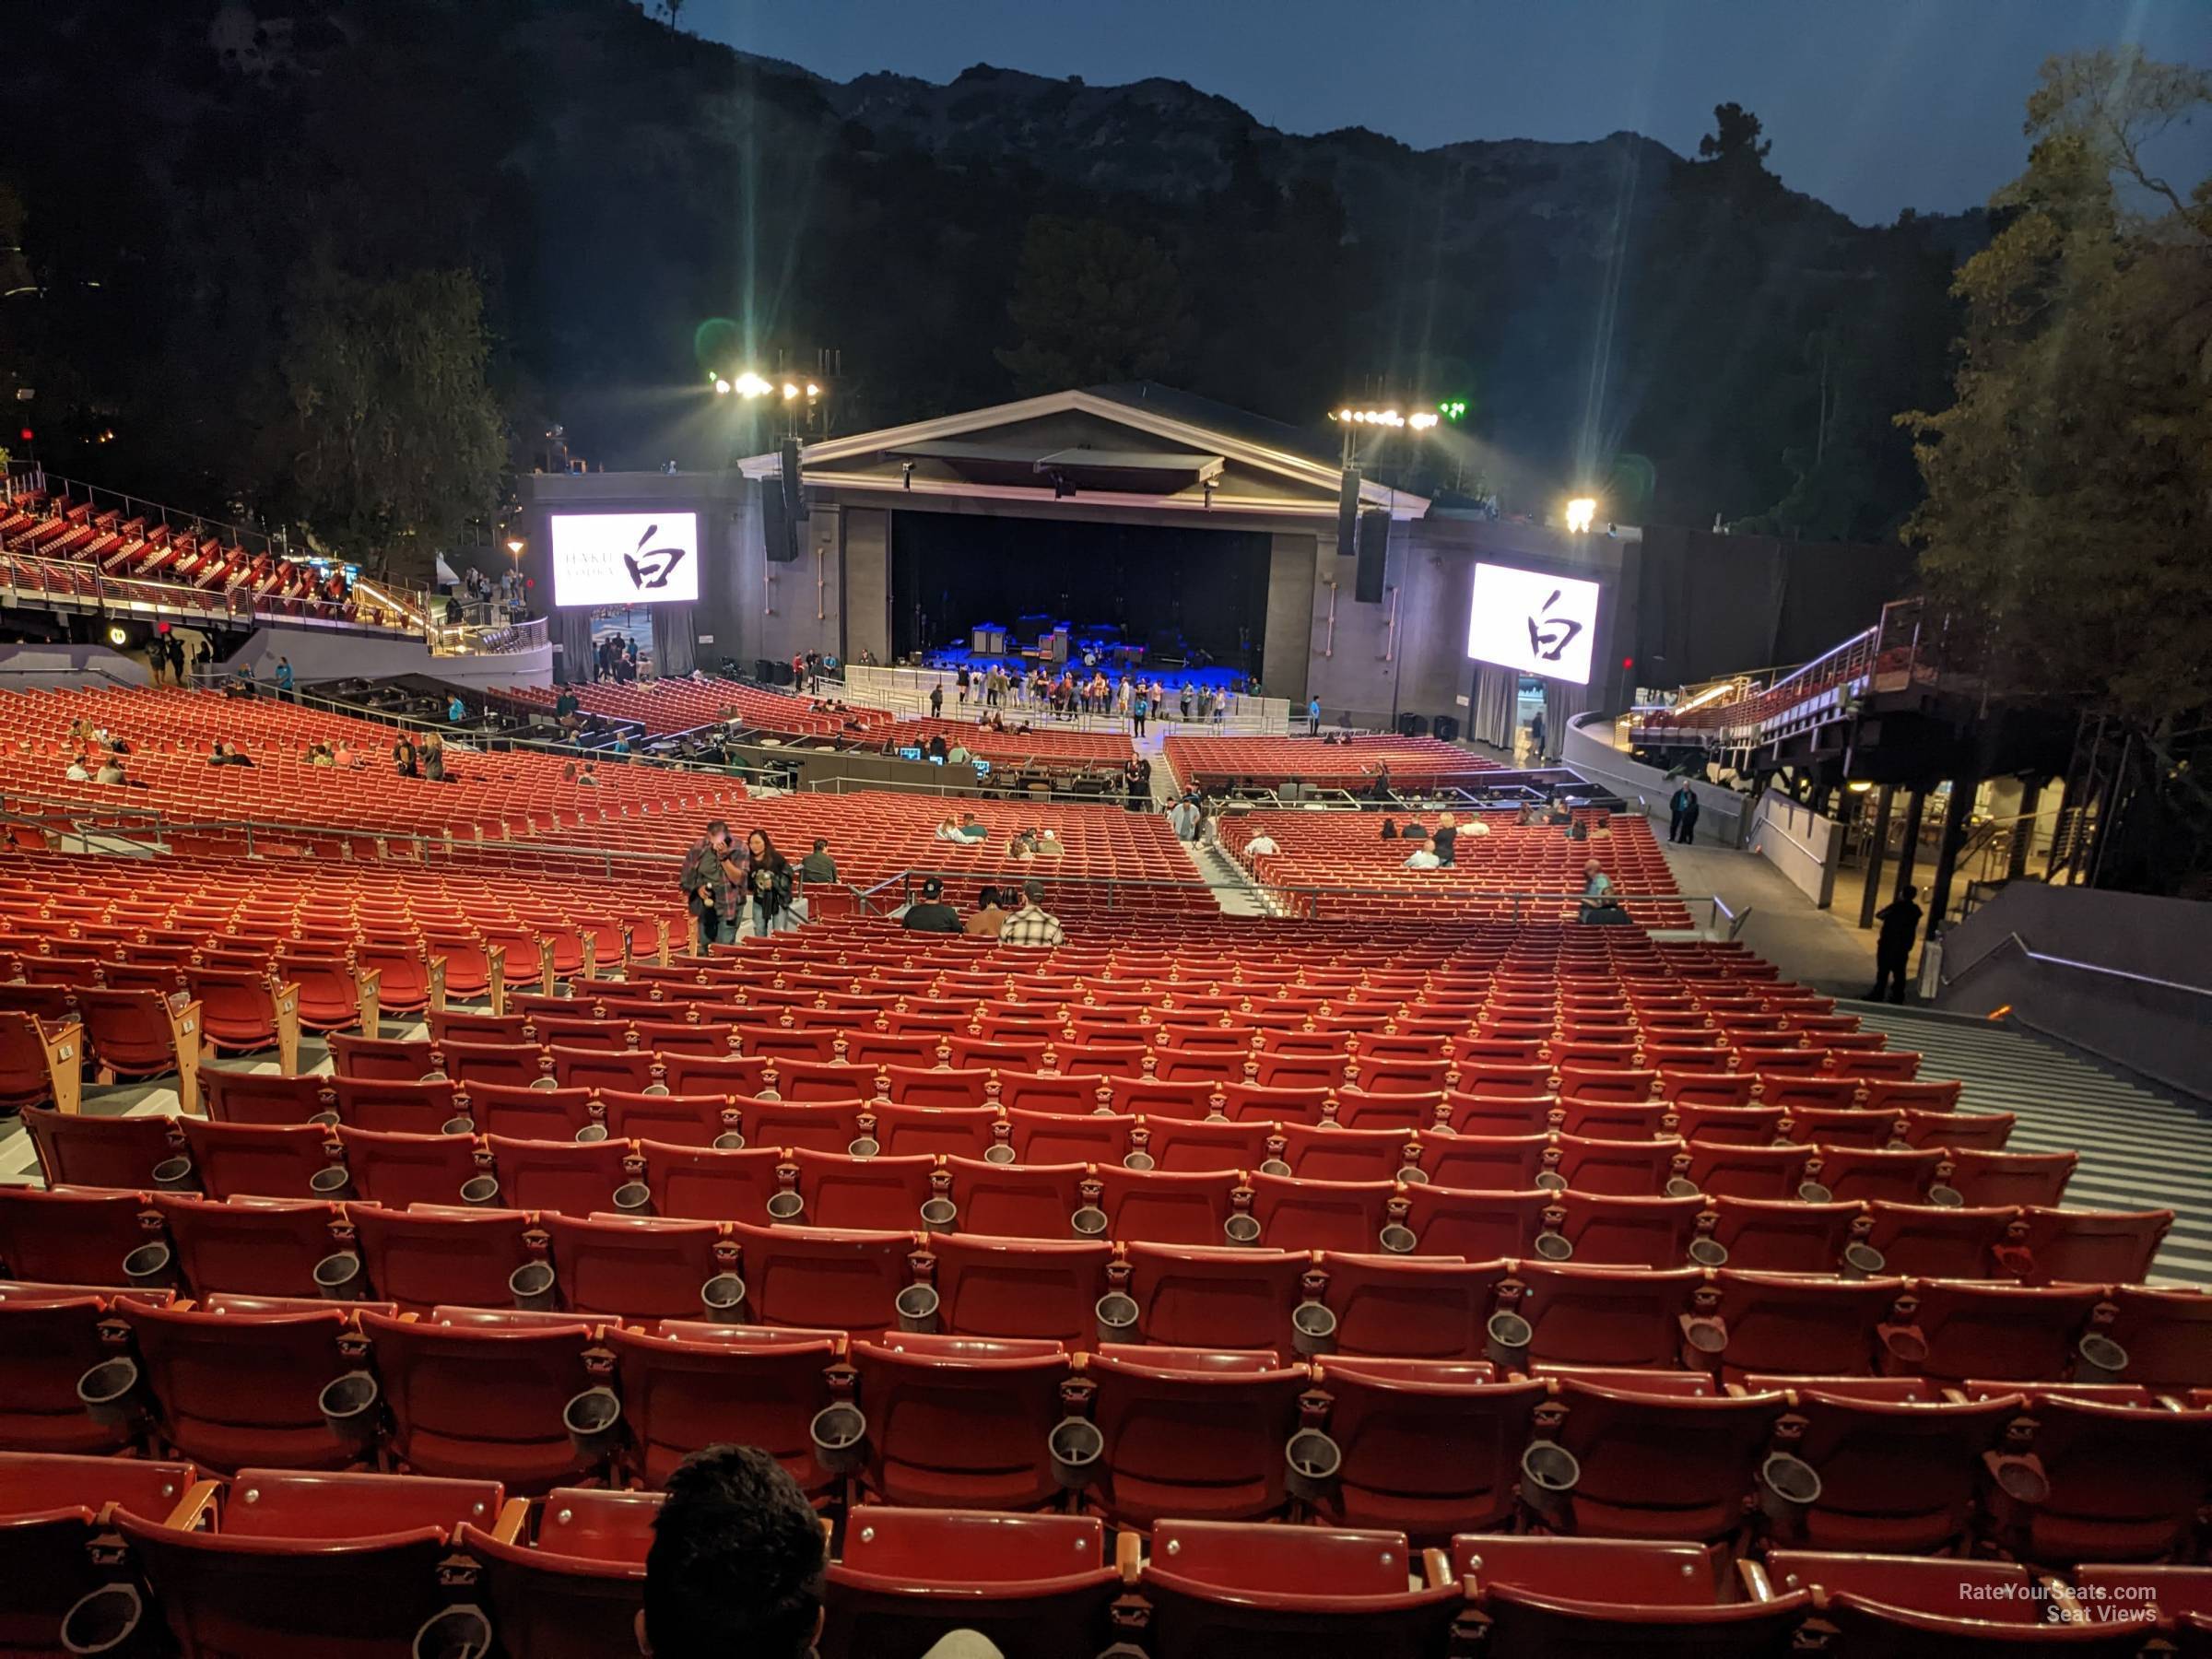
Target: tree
point(1094, 305)
point(393, 436)
point(2069, 486)
point(1734, 140)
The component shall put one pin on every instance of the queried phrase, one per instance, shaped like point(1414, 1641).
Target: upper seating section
point(172, 733)
point(1220, 763)
point(666, 706)
point(1321, 850)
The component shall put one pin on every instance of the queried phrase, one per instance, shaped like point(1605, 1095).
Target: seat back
point(258, 1161)
point(74, 1150)
point(632, 1267)
point(1019, 1288)
point(1655, 1466)
point(1220, 1298)
point(1030, 1584)
point(238, 1390)
point(689, 1385)
point(248, 1246)
point(423, 1257)
point(483, 1402)
point(960, 1423)
point(397, 1170)
point(1429, 1447)
point(819, 1278)
point(1202, 1444)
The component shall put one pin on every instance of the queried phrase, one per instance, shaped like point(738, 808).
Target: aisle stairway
point(2139, 1149)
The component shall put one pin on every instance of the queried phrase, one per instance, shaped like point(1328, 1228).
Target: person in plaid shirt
point(1033, 924)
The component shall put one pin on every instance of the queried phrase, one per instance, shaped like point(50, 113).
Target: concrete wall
point(1799, 842)
point(43, 668)
point(2157, 1031)
point(1291, 570)
point(1724, 813)
point(866, 563)
point(321, 654)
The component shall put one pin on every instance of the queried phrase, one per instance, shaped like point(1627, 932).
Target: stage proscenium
point(621, 559)
point(1533, 623)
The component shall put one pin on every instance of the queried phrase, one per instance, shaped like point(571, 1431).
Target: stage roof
point(1108, 447)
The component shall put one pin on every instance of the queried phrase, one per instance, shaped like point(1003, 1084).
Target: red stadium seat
point(1157, 1208)
point(1037, 1586)
point(389, 1107)
point(1294, 1214)
point(483, 1402)
point(1412, 1307)
point(248, 1246)
point(819, 1277)
point(1950, 1329)
point(578, 1591)
point(1021, 1201)
point(956, 1422)
point(1187, 1439)
point(633, 1267)
point(1221, 1591)
point(236, 1389)
point(1603, 1316)
point(2082, 1247)
point(242, 1011)
point(1019, 1288)
point(2165, 1335)
point(931, 1131)
point(423, 1257)
point(1475, 1227)
point(50, 1512)
point(1774, 1236)
point(1794, 1323)
point(74, 1150)
point(688, 1385)
point(261, 1160)
point(1187, 1296)
point(1427, 1446)
point(2091, 1481)
point(144, 1034)
point(50, 1336)
point(1592, 1598)
point(399, 1169)
point(1854, 1175)
point(561, 1175)
point(706, 1184)
point(40, 1065)
point(79, 1236)
point(1648, 1466)
point(1897, 1604)
point(1625, 1232)
point(860, 1194)
point(1922, 1241)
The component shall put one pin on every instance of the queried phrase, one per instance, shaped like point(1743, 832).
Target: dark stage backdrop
point(950, 571)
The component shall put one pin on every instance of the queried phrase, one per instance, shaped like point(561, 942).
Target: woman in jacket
point(767, 881)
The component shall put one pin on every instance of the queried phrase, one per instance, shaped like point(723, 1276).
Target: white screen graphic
point(624, 558)
point(1533, 623)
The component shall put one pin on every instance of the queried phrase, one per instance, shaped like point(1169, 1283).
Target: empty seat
point(1482, 1163)
point(632, 1267)
point(1207, 1145)
point(1923, 1241)
point(1604, 1316)
point(1592, 1598)
point(956, 1422)
point(422, 1257)
point(247, 1246)
point(1960, 1131)
point(2092, 1481)
point(1896, 1605)
point(261, 1160)
point(50, 1511)
point(1409, 1307)
point(1717, 1168)
point(144, 1034)
point(575, 1178)
point(395, 1060)
point(138, 1151)
point(339, 1564)
point(1618, 1230)
point(483, 1402)
point(687, 1384)
point(1043, 1137)
point(819, 1278)
point(236, 1389)
point(2165, 1335)
point(1207, 1297)
point(1626, 1168)
point(1019, 1288)
point(1950, 1329)
point(399, 1169)
point(1304, 1213)
point(1036, 1586)
point(1159, 1208)
point(1853, 1175)
point(40, 1065)
point(1021, 1201)
point(863, 1194)
point(1730, 1124)
point(1777, 1236)
point(1475, 1227)
point(77, 1236)
point(526, 1113)
point(2083, 1247)
point(50, 1336)
point(935, 1131)
point(1888, 1476)
point(1346, 1153)
point(1806, 1326)
point(1648, 1465)
point(708, 1184)
point(237, 1096)
point(576, 1593)
point(1188, 1438)
point(1427, 1446)
point(391, 1107)
point(242, 1011)
point(1223, 1592)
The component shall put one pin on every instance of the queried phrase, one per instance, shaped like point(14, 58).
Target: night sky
point(1873, 105)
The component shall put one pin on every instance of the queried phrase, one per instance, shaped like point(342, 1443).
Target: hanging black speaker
point(1348, 514)
point(779, 540)
point(795, 486)
point(1374, 545)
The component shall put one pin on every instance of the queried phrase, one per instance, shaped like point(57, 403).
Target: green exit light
point(1451, 408)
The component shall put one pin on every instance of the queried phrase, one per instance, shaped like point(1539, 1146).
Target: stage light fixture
point(791, 391)
point(813, 390)
point(514, 545)
point(749, 384)
point(1421, 422)
point(721, 387)
point(117, 636)
point(1581, 512)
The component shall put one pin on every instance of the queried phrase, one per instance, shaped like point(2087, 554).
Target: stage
point(951, 660)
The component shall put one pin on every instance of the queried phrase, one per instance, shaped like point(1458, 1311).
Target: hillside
point(1691, 336)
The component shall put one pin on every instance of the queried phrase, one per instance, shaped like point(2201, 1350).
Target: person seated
point(78, 771)
point(948, 830)
point(989, 917)
point(1421, 858)
point(930, 914)
point(591, 775)
point(936, 748)
point(1577, 829)
point(404, 758)
point(1261, 846)
point(1415, 830)
point(1049, 845)
point(111, 771)
point(971, 829)
point(1390, 830)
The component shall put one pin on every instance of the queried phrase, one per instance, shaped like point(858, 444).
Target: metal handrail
point(2033, 954)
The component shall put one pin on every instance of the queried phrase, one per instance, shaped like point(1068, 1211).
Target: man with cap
point(930, 914)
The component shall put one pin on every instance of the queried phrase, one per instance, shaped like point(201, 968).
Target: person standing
point(1682, 815)
point(706, 882)
point(284, 680)
point(937, 700)
point(1444, 843)
point(1893, 946)
point(767, 878)
point(1312, 716)
point(1140, 705)
point(1537, 737)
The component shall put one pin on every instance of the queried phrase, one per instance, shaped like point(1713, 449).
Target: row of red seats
point(1138, 1435)
point(377, 1559)
point(1728, 1320)
point(1414, 762)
